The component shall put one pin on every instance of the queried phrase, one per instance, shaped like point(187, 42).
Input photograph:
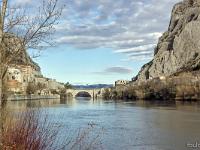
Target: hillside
point(178, 49)
point(21, 57)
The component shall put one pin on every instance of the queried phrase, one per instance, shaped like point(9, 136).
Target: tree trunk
point(2, 111)
point(1, 60)
point(2, 17)
point(1, 83)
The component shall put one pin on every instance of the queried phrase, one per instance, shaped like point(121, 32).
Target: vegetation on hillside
point(32, 88)
point(184, 86)
point(68, 86)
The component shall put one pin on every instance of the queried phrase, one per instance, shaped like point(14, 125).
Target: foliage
point(129, 94)
point(53, 91)
point(158, 90)
point(106, 94)
point(62, 91)
point(68, 86)
point(182, 86)
point(31, 88)
point(40, 86)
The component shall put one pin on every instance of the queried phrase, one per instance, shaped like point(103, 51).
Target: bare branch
point(34, 31)
point(21, 29)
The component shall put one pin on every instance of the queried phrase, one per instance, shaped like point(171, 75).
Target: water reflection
point(128, 125)
point(178, 105)
point(39, 103)
point(83, 98)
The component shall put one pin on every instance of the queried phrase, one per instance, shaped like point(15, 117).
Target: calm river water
point(128, 125)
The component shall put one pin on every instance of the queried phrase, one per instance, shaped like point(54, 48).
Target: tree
point(2, 20)
point(106, 94)
point(53, 91)
point(40, 87)
point(68, 86)
point(31, 88)
point(20, 30)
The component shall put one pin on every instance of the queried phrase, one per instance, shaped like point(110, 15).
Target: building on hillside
point(14, 79)
point(29, 73)
point(121, 82)
point(14, 74)
point(19, 77)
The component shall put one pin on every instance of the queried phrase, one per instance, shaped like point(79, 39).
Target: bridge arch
point(83, 94)
point(94, 93)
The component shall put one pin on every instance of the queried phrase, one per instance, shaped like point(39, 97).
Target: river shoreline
point(126, 125)
point(31, 97)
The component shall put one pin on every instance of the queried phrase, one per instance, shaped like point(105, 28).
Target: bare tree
point(21, 29)
point(2, 20)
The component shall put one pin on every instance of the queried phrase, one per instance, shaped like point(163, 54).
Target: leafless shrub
point(33, 130)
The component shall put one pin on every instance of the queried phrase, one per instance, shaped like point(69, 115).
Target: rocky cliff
point(21, 57)
point(178, 48)
point(24, 59)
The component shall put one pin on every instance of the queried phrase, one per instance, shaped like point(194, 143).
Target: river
point(127, 125)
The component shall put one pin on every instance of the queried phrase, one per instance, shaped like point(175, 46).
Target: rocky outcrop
point(179, 48)
point(16, 53)
point(24, 59)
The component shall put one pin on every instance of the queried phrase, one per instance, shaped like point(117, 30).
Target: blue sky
point(101, 41)
point(101, 65)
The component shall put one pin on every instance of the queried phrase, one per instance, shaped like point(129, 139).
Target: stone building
point(121, 82)
point(14, 79)
point(19, 76)
point(22, 70)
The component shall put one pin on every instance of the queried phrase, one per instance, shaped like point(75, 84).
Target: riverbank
point(182, 86)
point(31, 97)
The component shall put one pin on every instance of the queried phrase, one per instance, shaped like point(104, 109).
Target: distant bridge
point(94, 93)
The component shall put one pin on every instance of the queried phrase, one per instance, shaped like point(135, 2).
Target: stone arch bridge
point(94, 93)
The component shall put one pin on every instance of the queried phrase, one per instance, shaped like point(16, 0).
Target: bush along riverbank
point(183, 86)
point(34, 129)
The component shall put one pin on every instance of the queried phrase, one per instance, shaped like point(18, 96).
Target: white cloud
point(141, 48)
point(126, 26)
point(22, 2)
point(116, 70)
point(129, 27)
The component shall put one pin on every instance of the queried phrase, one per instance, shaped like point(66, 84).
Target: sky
point(101, 41)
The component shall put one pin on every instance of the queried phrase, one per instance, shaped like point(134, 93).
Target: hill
point(178, 49)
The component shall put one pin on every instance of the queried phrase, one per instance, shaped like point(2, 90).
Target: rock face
point(25, 59)
point(178, 48)
point(21, 57)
